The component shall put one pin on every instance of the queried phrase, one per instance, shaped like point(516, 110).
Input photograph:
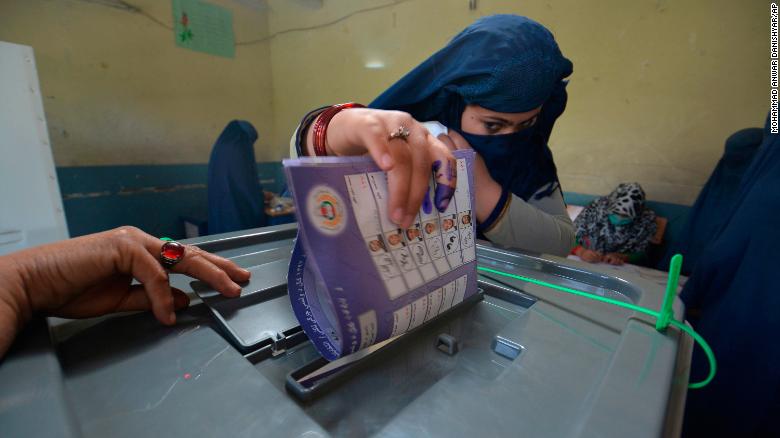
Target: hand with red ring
point(92, 275)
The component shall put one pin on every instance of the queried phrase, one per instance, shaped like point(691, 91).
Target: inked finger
point(445, 175)
point(420, 176)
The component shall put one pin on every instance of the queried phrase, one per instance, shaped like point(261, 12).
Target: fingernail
point(386, 161)
point(443, 195)
point(236, 290)
point(172, 317)
point(398, 215)
point(246, 271)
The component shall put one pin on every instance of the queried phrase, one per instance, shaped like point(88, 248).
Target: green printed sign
point(204, 27)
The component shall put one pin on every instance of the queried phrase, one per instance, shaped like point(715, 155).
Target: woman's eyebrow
point(509, 122)
point(496, 119)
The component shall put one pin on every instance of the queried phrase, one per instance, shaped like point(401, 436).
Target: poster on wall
point(203, 27)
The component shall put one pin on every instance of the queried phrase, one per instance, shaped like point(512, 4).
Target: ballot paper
point(356, 279)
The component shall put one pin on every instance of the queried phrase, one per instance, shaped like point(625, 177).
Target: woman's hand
point(408, 162)
point(489, 189)
point(589, 255)
point(92, 275)
point(614, 258)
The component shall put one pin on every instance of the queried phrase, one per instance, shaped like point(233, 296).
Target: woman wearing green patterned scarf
point(616, 228)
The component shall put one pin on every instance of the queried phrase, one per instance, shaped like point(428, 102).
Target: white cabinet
point(31, 210)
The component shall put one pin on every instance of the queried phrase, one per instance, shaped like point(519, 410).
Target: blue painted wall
point(153, 198)
point(156, 198)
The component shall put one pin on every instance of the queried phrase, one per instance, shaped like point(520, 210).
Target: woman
point(732, 300)
point(498, 87)
point(236, 199)
point(616, 228)
point(719, 194)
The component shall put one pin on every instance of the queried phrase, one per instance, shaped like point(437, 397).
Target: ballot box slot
point(277, 345)
point(319, 377)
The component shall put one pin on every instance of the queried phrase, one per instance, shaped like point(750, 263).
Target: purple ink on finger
point(436, 167)
point(427, 206)
point(443, 195)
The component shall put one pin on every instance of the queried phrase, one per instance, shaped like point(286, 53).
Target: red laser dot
point(187, 376)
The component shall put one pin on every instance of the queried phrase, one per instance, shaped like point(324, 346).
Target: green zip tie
point(167, 239)
point(671, 291)
point(680, 325)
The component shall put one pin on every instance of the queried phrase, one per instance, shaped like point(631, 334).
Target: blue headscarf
point(734, 290)
point(235, 197)
point(505, 63)
point(718, 196)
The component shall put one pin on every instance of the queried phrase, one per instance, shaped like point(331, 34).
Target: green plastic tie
point(667, 314)
point(655, 314)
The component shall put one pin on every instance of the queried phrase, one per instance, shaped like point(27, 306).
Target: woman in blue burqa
point(732, 300)
point(497, 87)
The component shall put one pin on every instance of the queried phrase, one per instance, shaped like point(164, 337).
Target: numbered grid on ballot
point(428, 306)
point(363, 202)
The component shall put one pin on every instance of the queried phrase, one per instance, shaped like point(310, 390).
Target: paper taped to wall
point(204, 27)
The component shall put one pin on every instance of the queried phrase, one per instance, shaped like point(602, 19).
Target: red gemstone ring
point(171, 253)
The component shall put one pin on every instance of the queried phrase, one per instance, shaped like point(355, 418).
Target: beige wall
point(657, 85)
point(656, 89)
point(118, 91)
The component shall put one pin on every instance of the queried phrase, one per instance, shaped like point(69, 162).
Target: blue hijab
point(235, 196)
point(505, 63)
point(734, 300)
point(716, 198)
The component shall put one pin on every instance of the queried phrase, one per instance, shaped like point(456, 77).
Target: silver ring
point(402, 133)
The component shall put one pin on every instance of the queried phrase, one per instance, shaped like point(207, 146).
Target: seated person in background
point(93, 275)
point(615, 229)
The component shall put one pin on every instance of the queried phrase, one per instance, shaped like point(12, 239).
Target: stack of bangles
point(320, 128)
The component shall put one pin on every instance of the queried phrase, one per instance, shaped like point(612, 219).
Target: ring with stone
point(171, 253)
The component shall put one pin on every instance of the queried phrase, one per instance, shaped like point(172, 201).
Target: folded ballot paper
point(355, 278)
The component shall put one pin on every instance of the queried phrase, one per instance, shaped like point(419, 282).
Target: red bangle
point(321, 125)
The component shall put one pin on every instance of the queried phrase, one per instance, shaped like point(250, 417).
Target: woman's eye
point(492, 127)
point(528, 123)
